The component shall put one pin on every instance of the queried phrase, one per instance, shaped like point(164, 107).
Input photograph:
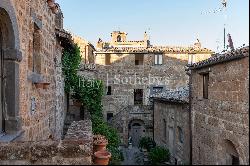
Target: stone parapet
point(75, 149)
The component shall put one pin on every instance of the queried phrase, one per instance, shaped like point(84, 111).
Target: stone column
point(11, 89)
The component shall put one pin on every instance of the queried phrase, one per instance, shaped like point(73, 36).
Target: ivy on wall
point(89, 93)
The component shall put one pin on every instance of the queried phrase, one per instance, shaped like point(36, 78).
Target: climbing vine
point(70, 62)
point(89, 92)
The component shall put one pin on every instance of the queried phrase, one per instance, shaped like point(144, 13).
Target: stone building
point(220, 109)
point(31, 84)
point(87, 49)
point(131, 71)
point(32, 107)
point(171, 118)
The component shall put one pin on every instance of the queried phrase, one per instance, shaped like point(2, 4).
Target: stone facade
point(171, 129)
point(172, 124)
point(129, 69)
point(220, 109)
point(75, 149)
point(86, 48)
point(33, 93)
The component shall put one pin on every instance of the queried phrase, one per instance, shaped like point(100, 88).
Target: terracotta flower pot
point(100, 147)
point(102, 157)
point(99, 142)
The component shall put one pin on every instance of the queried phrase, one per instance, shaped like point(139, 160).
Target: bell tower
point(117, 36)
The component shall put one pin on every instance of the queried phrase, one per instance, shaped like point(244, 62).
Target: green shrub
point(147, 143)
point(117, 156)
point(159, 155)
point(101, 127)
point(89, 93)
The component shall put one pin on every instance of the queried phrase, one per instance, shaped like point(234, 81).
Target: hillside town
point(67, 101)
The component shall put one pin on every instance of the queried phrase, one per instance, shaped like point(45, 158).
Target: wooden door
point(137, 132)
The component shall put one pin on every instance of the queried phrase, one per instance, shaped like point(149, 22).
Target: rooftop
point(180, 95)
point(220, 58)
point(155, 49)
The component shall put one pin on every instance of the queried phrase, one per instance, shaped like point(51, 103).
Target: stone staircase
point(117, 120)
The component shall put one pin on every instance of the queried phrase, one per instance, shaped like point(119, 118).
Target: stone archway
point(9, 74)
point(230, 156)
point(136, 130)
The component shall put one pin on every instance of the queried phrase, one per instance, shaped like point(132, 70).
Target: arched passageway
point(136, 131)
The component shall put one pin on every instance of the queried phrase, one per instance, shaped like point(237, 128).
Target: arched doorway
point(10, 56)
point(230, 154)
point(136, 131)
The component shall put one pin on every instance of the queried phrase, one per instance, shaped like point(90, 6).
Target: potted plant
point(100, 142)
point(146, 143)
point(159, 155)
point(102, 157)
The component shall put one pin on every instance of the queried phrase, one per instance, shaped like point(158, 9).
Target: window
point(138, 96)
point(36, 59)
point(109, 116)
point(107, 59)
point(190, 59)
point(180, 135)
point(119, 38)
point(205, 85)
point(165, 129)
point(158, 59)
point(109, 90)
point(139, 59)
point(157, 90)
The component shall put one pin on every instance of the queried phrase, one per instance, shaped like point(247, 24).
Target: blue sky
point(169, 22)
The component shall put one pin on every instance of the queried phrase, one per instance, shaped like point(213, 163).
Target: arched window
point(119, 38)
point(180, 135)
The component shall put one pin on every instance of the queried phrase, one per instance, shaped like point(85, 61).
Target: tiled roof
point(180, 95)
point(155, 49)
point(63, 33)
point(219, 58)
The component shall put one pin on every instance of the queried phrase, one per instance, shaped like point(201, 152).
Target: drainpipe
point(189, 73)
point(153, 120)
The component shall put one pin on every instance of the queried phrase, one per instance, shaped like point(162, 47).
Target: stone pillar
point(11, 87)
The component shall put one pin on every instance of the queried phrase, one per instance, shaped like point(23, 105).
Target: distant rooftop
point(180, 95)
point(220, 58)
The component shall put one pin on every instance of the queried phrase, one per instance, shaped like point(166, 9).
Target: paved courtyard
point(132, 156)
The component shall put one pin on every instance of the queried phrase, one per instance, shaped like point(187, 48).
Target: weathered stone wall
point(175, 115)
point(124, 76)
point(170, 75)
point(123, 69)
point(224, 116)
point(60, 100)
point(75, 149)
point(86, 48)
point(43, 117)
